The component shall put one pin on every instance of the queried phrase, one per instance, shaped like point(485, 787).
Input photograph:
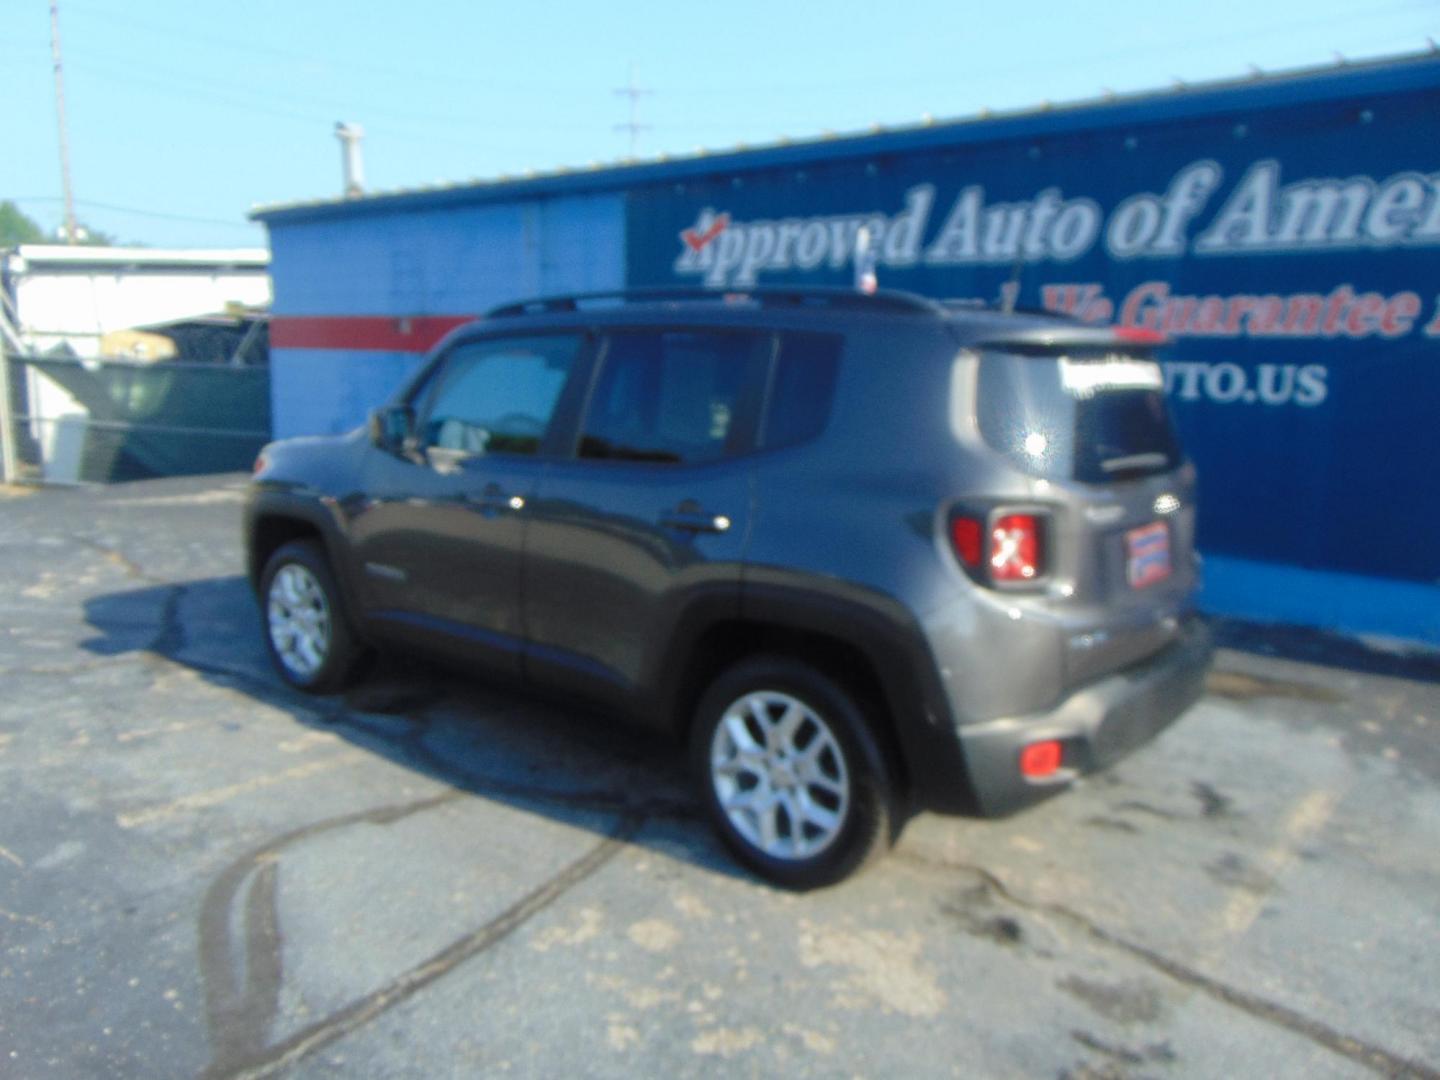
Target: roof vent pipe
point(354, 166)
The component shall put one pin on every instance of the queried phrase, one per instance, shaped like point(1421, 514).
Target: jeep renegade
point(865, 554)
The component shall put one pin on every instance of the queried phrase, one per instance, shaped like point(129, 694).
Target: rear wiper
point(1135, 461)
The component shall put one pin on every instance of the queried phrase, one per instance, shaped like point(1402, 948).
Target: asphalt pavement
point(203, 873)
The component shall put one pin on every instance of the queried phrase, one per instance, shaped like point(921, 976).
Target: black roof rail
point(771, 296)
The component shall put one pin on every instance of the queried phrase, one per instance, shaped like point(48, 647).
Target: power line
point(248, 97)
point(250, 46)
point(245, 95)
point(1187, 45)
point(134, 210)
point(196, 88)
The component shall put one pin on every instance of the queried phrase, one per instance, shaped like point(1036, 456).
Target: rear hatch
point(1084, 409)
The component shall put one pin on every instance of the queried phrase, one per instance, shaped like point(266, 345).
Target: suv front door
point(650, 516)
point(441, 540)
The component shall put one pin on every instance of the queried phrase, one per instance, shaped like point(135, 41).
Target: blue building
point(1284, 232)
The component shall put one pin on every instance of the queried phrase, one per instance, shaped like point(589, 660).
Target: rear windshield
point(1095, 417)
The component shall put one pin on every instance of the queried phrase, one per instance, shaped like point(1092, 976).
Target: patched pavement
point(204, 873)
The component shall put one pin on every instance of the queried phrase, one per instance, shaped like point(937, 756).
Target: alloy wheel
point(779, 775)
point(299, 617)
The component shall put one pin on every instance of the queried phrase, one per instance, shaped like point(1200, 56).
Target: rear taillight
point(965, 534)
point(1003, 547)
point(1015, 548)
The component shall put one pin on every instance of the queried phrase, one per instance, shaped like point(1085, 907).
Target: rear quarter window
point(802, 390)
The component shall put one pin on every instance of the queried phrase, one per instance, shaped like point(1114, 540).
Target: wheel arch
point(725, 644)
point(879, 655)
point(273, 520)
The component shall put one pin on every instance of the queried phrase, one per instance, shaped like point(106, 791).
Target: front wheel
point(791, 774)
point(305, 630)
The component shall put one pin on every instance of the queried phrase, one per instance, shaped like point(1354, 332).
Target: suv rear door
point(1092, 420)
point(651, 514)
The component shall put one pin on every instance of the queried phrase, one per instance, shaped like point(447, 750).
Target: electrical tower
point(634, 92)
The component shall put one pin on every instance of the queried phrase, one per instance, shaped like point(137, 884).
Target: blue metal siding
point(1349, 603)
point(329, 391)
point(447, 261)
point(425, 262)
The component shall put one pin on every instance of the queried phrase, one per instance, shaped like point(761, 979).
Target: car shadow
point(500, 744)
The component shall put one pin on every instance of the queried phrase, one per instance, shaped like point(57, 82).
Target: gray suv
point(865, 554)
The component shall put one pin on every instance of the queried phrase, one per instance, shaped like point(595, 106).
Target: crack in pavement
point(118, 557)
point(170, 638)
point(59, 671)
point(28, 920)
point(239, 1011)
point(212, 797)
point(240, 1006)
point(1348, 1046)
point(170, 635)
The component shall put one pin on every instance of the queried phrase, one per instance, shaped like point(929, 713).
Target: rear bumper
point(1096, 725)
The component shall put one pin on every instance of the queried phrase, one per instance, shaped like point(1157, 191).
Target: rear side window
point(1096, 417)
point(803, 389)
point(670, 397)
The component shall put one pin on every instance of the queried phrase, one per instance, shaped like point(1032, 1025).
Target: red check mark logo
point(696, 241)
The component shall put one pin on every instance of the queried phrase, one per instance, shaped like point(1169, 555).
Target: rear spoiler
point(1068, 335)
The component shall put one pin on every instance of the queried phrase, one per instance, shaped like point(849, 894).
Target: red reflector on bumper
point(1041, 758)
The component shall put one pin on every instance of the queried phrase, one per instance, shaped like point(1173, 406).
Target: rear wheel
point(791, 774)
point(309, 640)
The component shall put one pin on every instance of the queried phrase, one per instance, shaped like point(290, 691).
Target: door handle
point(493, 497)
point(698, 521)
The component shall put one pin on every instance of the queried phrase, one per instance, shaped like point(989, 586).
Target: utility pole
point(70, 236)
point(634, 92)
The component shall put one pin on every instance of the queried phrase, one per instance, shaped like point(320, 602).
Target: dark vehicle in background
point(866, 554)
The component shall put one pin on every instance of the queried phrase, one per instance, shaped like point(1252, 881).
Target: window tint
point(1095, 418)
point(803, 389)
point(669, 396)
point(498, 396)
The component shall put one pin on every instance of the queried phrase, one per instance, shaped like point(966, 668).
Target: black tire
point(297, 588)
point(756, 695)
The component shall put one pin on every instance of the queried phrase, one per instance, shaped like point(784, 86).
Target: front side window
point(494, 397)
point(670, 397)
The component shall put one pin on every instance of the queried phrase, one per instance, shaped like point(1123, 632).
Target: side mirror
point(392, 427)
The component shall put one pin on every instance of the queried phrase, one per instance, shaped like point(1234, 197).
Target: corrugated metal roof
point(1340, 80)
point(71, 256)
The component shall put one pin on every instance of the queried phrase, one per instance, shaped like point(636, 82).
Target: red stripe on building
point(378, 333)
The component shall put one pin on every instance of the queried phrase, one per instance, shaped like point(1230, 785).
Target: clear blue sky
point(185, 113)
